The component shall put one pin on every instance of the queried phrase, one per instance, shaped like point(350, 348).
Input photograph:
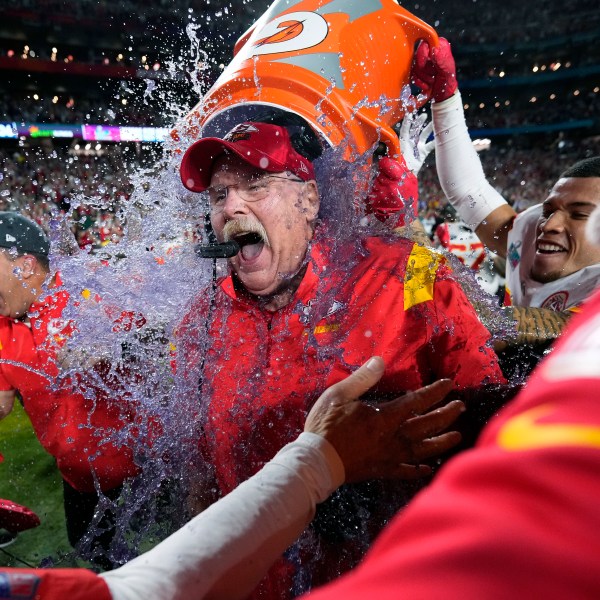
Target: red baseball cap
point(262, 145)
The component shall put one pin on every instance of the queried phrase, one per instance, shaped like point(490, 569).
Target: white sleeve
point(458, 166)
point(189, 562)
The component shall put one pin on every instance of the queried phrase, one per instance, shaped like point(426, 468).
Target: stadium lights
point(482, 144)
point(501, 74)
point(535, 69)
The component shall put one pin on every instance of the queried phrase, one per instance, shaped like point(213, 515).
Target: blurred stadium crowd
point(530, 84)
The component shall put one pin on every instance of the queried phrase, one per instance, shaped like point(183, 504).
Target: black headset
point(303, 137)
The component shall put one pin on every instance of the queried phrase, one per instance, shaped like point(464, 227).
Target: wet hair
point(303, 137)
point(588, 167)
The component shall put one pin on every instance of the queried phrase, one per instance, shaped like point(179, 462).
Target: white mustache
point(592, 228)
point(243, 225)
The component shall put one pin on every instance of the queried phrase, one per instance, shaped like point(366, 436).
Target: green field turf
point(29, 476)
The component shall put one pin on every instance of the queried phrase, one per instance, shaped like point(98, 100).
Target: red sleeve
point(460, 347)
point(494, 524)
point(52, 584)
point(5, 386)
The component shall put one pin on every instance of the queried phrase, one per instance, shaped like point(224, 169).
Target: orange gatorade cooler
point(342, 65)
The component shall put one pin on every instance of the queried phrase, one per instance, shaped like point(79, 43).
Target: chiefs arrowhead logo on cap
point(240, 132)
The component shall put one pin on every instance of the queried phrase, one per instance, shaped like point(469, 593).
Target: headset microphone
point(223, 250)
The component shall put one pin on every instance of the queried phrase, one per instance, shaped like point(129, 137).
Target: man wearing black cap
point(298, 312)
point(23, 263)
point(23, 270)
point(69, 426)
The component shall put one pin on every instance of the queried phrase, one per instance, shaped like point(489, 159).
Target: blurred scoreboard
point(91, 133)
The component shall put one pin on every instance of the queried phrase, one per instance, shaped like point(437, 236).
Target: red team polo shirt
point(264, 370)
point(71, 428)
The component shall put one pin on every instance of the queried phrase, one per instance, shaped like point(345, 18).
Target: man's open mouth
point(549, 248)
point(251, 244)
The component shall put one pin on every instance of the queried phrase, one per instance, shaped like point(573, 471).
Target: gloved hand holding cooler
point(394, 194)
point(459, 169)
point(434, 70)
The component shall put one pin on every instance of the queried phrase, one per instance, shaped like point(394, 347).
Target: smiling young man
point(299, 311)
point(550, 266)
point(562, 268)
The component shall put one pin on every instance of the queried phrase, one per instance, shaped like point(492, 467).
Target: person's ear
point(312, 201)
point(28, 265)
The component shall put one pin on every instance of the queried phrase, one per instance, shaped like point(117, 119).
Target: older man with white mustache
point(291, 319)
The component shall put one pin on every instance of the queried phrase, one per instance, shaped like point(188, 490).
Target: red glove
point(15, 518)
point(395, 192)
point(434, 70)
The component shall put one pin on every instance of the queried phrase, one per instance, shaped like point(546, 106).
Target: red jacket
point(73, 429)
point(517, 517)
point(263, 370)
